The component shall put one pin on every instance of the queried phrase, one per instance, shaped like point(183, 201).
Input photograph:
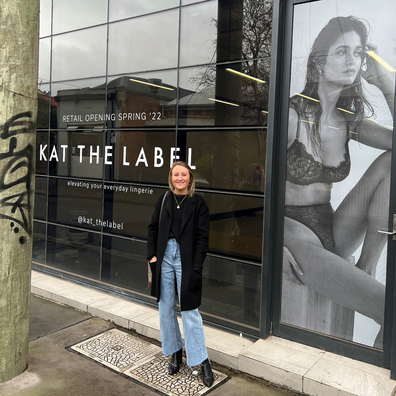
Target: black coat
point(194, 235)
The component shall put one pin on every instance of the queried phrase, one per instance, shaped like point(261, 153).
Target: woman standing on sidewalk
point(177, 243)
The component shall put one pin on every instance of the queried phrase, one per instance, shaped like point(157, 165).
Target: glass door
point(338, 123)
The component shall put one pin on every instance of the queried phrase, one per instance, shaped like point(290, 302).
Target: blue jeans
point(171, 339)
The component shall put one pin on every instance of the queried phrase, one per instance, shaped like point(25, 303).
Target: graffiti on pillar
point(16, 173)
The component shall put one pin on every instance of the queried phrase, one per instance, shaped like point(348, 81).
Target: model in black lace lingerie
point(330, 111)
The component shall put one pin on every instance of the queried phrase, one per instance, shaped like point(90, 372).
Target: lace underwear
point(318, 218)
point(303, 169)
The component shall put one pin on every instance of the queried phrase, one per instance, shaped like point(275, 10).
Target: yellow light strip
point(245, 75)
point(328, 126)
point(356, 133)
point(346, 111)
point(389, 126)
point(222, 101)
point(153, 85)
point(370, 119)
point(308, 122)
point(307, 97)
point(381, 61)
point(263, 111)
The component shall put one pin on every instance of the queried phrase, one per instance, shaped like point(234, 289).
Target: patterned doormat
point(144, 363)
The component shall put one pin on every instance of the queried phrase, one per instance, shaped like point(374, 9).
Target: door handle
point(390, 232)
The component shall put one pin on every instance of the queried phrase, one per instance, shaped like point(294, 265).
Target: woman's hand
point(290, 267)
point(153, 259)
point(375, 73)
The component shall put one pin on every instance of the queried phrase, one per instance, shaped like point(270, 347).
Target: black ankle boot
point(176, 359)
point(207, 373)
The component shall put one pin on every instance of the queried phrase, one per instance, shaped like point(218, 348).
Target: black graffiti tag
point(16, 206)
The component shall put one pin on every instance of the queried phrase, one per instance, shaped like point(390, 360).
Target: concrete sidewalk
point(55, 371)
point(289, 364)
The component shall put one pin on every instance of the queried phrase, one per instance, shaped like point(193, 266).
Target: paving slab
point(47, 317)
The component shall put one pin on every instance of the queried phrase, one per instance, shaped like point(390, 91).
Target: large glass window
point(75, 202)
point(76, 153)
point(125, 89)
point(225, 95)
point(337, 189)
point(76, 14)
point(79, 54)
point(40, 198)
point(140, 156)
point(45, 17)
point(44, 60)
point(144, 43)
point(122, 9)
point(198, 34)
point(78, 104)
point(74, 251)
point(142, 100)
point(229, 160)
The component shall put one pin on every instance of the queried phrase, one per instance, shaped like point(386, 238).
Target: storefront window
point(77, 154)
point(74, 251)
point(122, 9)
point(337, 180)
point(140, 156)
point(144, 43)
point(39, 242)
point(45, 17)
point(142, 100)
point(79, 54)
point(124, 264)
point(198, 34)
point(134, 86)
point(225, 95)
point(44, 60)
point(40, 198)
point(41, 151)
point(77, 14)
point(78, 104)
point(75, 202)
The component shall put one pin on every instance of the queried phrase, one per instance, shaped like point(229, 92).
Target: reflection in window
point(38, 254)
point(225, 31)
point(144, 43)
point(231, 291)
point(43, 106)
point(124, 264)
point(45, 17)
point(74, 251)
point(128, 208)
point(41, 152)
point(78, 104)
point(75, 202)
point(40, 198)
point(122, 9)
point(140, 156)
point(44, 60)
point(76, 14)
point(198, 34)
point(233, 160)
point(78, 154)
point(225, 95)
point(79, 54)
point(236, 225)
point(143, 100)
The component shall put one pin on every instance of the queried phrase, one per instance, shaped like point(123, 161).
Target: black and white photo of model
point(343, 106)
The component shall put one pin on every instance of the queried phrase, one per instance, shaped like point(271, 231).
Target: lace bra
point(303, 169)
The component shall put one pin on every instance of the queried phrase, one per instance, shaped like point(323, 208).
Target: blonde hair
point(191, 185)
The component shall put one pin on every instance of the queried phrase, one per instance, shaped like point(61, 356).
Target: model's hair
point(352, 98)
point(191, 185)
